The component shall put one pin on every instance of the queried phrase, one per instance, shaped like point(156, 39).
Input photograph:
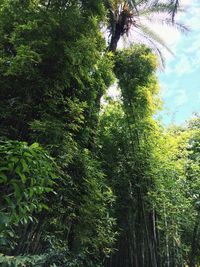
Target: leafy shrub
point(27, 173)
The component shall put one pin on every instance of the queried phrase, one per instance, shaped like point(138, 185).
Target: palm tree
point(128, 16)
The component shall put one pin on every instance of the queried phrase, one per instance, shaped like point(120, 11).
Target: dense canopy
point(87, 182)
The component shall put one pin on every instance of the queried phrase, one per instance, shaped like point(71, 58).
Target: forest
point(87, 180)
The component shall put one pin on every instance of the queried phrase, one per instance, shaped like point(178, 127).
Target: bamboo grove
point(87, 182)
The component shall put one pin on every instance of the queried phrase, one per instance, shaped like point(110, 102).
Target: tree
point(193, 176)
point(53, 71)
point(128, 16)
point(148, 169)
point(126, 152)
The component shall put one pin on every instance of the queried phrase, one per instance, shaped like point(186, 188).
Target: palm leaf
point(134, 11)
point(154, 36)
point(159, 8)
point(176, 5)
point(179, 26)
point(168, 22)
point(154, 48)
point(133, 5)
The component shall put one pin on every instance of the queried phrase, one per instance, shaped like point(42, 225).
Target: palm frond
point(153, 36)
point(158, 9)
point(168, 22)
point(131, 14)
point(179, 26)
point(172, 6)
point(133, 5)
point(176, 5)
point(154, 47)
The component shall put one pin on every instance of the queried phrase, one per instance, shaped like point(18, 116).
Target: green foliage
point(149, 170)
point(54, 69)
point(95, 224)
point(87, 222)
point(135, 69)
point(126, 150)
point(22, 261)
point(27, 173)
point(45, 76)
point(125, 186)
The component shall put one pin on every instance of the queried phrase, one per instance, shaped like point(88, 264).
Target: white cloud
point(183, 66)
point(194, 46)
point(188, 3)
point(191, 17)
point(168, 90)
point(181, 98)
point(170, 35)
point(196, 60)
point(188, 62)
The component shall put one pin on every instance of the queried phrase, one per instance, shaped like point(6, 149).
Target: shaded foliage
point(83, 186)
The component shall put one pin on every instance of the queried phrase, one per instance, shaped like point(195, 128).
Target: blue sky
point(180, 82)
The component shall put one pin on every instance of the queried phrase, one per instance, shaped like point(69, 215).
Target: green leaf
point(4, 218)
point(25, 166)
point(18, 192)
point(21, 175)
point(34, 145)
point(3, 178)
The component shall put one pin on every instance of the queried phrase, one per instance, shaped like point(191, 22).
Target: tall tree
point(130, 16)
point(53, 71)
point(126, 153)
point(193, 176)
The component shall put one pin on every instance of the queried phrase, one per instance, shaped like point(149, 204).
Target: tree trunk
point(194, 244)
point(114, 41)
point(166, 239)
